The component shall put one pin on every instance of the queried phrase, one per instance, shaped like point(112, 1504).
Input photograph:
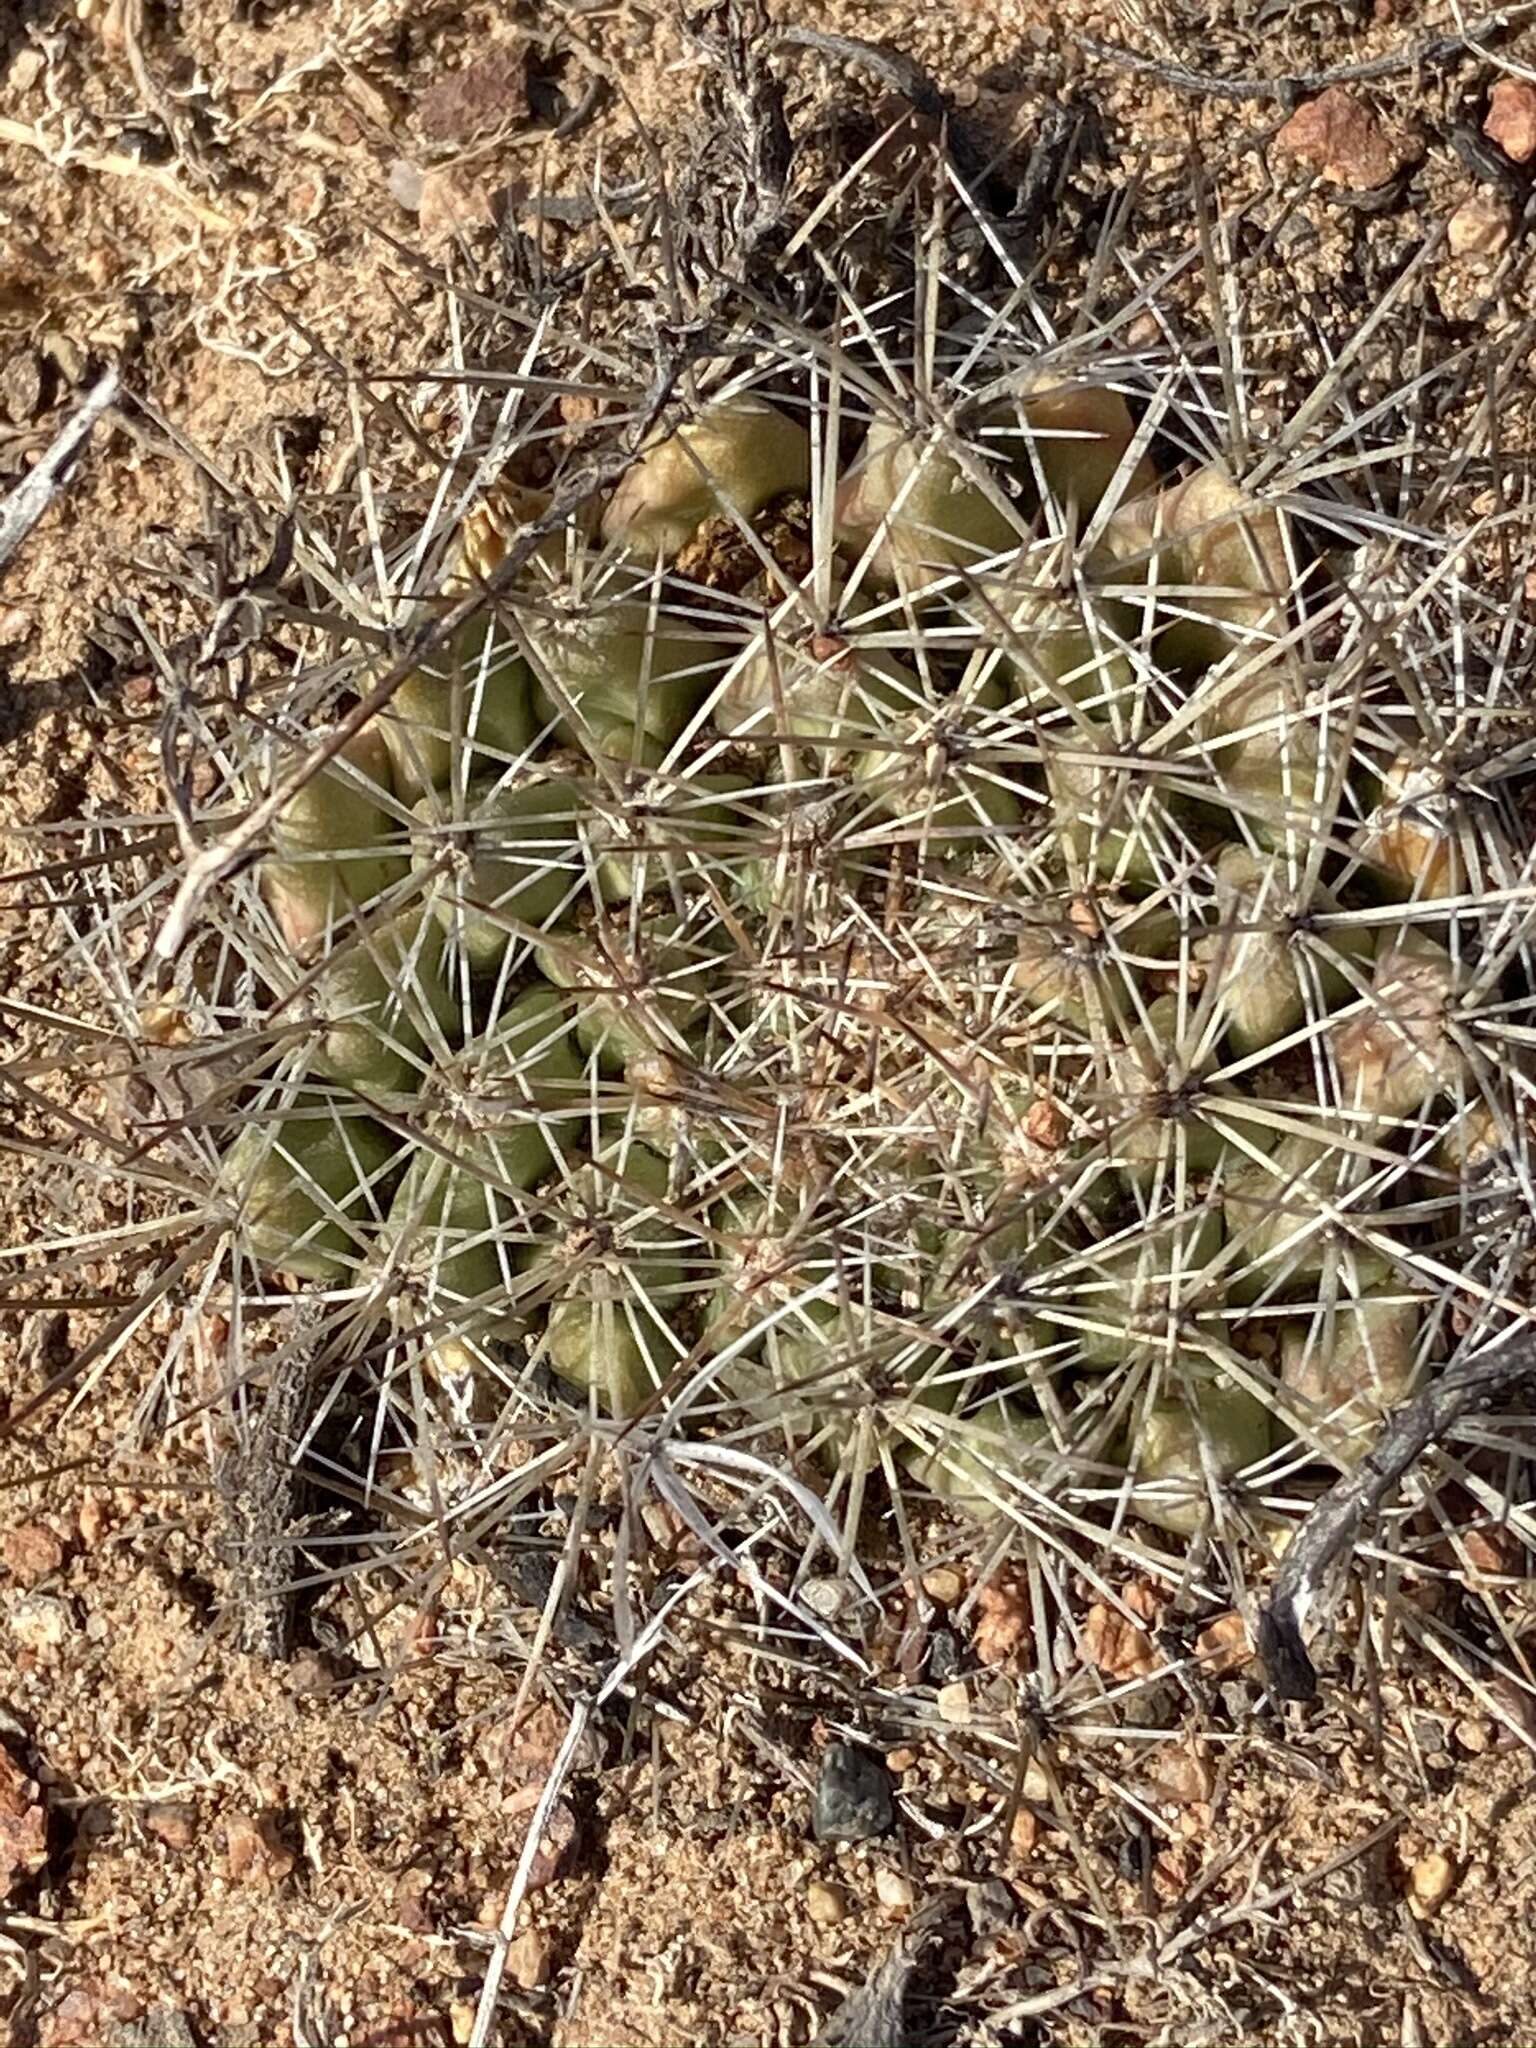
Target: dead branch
point(1431, 53)
point(38, 488)
point(1475, 1383)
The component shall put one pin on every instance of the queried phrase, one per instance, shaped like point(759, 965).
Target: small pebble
point(989, 1907)
point(943, 1655)
point(944, 1584)
point(1237, 1697)
point(31, 1551)
point(954, 1703)
point(1480, 227)
point(528, 1960)
point(1037, 1784)
point(1472, 1735)
point(172, 1821)
point(899, 1760)
point(21, 387)
point(405, 183)
point(461, 2021)
point(1511, 119)
point(1339, 135)
point(893, 1890)
point(825, 1597)
point(853, 1796)
point(827, 1904)
point(1024, 1833)
point(1430, 1883)
point(15, 624)
point(1157, 1705)
point(254, 1850)
point(40, 1622)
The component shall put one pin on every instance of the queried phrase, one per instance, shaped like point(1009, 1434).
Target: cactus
point(385, 1004)
point(336, 846)
point(514, 857)
point(308, 1188)
point(1073, 819)
point(936, 923)
point(736, 456)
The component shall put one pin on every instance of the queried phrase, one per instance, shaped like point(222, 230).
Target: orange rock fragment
point(1114, 1644)
point(1511, 119)
point(1339, 135)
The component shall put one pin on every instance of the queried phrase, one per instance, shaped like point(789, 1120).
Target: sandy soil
point(200, 1845)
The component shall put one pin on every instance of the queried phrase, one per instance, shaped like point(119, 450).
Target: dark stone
point(1237, 1697)
point(1157, 1705)
point(853, 1797)
point(944, 1656)
point(990, 1907)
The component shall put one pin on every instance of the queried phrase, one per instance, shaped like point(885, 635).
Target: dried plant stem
point(1475, 1383)
point(37, 490)
point(1430, 52)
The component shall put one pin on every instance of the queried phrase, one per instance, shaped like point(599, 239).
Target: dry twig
point(1475, 1383)
point(1430, 53)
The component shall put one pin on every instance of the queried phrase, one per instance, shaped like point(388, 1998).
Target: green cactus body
point(840, 1378)
point(705, 825)
point(615, 1278)
point(1269, 979)
point(1279, 1214)
point(976, 1458)
point(309, 1191)
point(1116, 1302)
point(456, 1227)
point(618, 678)
point(1399, 1054)
point(952, 809)
point(920, 511)
point(1055, 969)
point(516, 857)
point(469, 704)
point(800, 847)
point(1213, 1429)
point(1111, 817)
point(638, 992)
point(1057, 653)
point(335, 846)
point(794, 1378)
point(383, 997)
point(1282, 779)
point(527, 1067)
point(736, 456)
point(1218, 563)
point(762, 1251)
point(1077, 434)
point(1157, 1108)
point(672, 1111)
point(818, 689)
point(1351, 1365)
